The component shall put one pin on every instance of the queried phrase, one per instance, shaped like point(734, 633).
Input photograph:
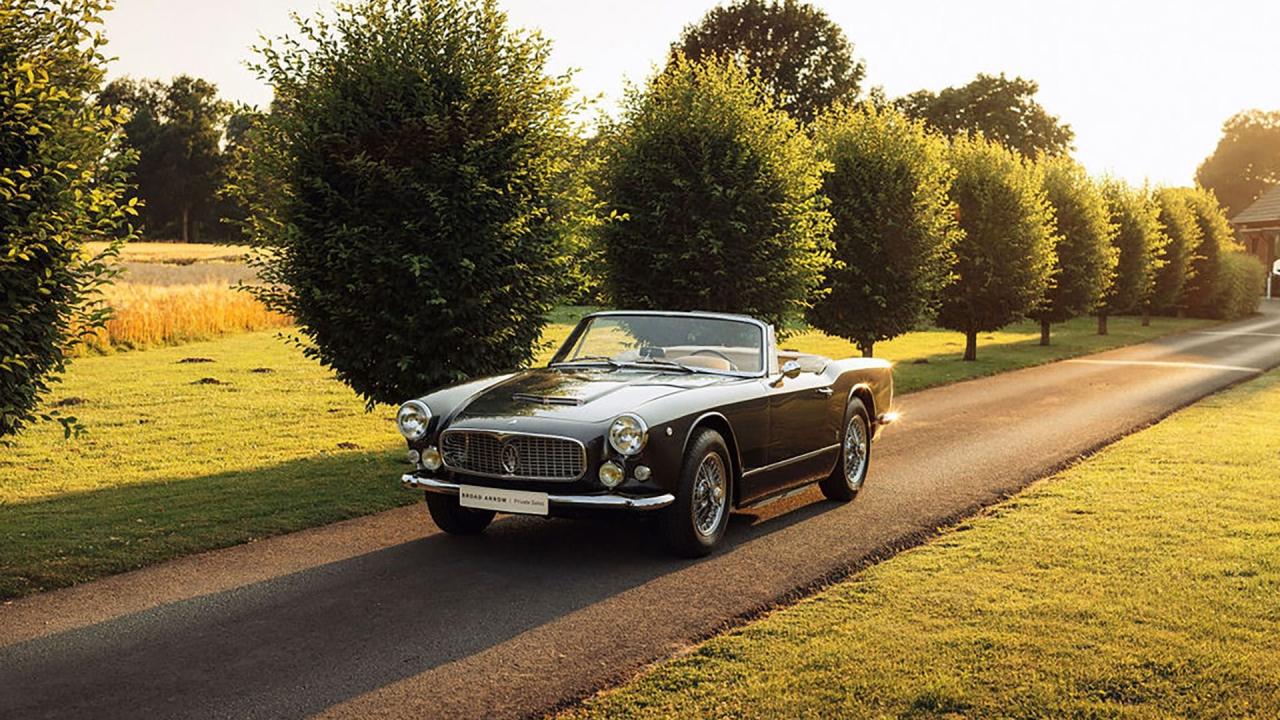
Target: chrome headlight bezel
point(412, 419)
point(633, 426)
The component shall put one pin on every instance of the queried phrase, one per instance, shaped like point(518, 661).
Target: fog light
point(431, 459)
point(611, 475)
point(642, 472)
point(413, 457)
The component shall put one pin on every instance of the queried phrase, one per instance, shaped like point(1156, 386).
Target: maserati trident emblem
point(510, 458)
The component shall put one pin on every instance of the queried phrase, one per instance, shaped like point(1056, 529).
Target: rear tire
point(454, 519)
point(855, 455)
point(695, 523)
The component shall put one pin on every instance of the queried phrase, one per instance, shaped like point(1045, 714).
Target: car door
point(801, 444)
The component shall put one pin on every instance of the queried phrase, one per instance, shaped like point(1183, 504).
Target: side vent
point(545, 399)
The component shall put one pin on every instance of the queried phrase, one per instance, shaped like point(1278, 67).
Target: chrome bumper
point(603, 502)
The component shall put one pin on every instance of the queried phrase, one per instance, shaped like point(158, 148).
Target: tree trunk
point(1102, 324)
point(1044, 333)
point(1146, 316)
point(971, 345)
point(867, 349)
point(186, 224)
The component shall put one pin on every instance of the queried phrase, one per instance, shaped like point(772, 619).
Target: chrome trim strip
point(603, 502)
point(795, 459)
point(500, 434)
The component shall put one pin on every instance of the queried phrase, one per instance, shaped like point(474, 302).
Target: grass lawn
point(1143, 583)
point(188, 456)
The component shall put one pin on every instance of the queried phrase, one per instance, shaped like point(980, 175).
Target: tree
point(61, 184)
point(405, 190)
point(1003, 110)
point(1086, 259)
point(803, 57)
point(1004, 261)
point(715, 195)
point(1180, 226)
point(1204, 285)
point(888, 183)
point(1139, 241)
point(177, 131)
point(1246, 161)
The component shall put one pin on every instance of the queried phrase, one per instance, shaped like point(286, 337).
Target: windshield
point(683, 343)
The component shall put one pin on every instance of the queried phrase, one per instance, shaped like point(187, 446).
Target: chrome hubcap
point(710, 490)
point(855, 452)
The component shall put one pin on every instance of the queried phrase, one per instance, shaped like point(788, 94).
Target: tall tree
point(1086, 259)
point(888, 182)
point(61, 184)
point(1006, 257)
point(803, 57)
point(1180, 226)
point(718, 198)
point(177, 129)
point(1139, 240)
point(1002, 109)
point(1246, 161)
point(406, 189)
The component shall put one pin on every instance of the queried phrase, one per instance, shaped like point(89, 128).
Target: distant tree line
point(421, 195)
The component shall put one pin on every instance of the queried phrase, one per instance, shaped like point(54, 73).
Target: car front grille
point(513, 455)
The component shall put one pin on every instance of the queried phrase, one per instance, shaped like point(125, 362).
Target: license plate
point(503, 500)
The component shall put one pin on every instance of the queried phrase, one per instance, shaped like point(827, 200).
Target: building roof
point(1265, 210)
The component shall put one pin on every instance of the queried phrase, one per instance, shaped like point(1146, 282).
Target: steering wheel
point(708, 351)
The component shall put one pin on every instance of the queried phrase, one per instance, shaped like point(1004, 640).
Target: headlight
point(413, 418)
point(431, 458)
point(628, 434)
point(611, 475)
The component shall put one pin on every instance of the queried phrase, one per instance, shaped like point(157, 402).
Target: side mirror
point(790, 369)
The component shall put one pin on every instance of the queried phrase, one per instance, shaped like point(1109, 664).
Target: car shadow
point(296, 644)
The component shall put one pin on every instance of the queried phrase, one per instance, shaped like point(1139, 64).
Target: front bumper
point(594, 502)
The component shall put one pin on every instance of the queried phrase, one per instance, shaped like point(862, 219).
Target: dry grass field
point(176, 253)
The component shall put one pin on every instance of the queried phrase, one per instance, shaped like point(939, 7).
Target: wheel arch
point(862, 391)
point(718, 422)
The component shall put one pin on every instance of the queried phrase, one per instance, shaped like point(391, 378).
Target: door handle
point(824, 391)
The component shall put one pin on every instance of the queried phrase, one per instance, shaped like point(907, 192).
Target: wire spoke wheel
point(710, 494)
point(855, 452)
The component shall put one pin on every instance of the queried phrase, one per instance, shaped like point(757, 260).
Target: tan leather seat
point(709, 362)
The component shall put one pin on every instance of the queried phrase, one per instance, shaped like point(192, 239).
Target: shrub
point(407, 190)
point(1180, 226)
point(1086, 259)
point(888, 184)
point(1240, 285)
point(1005, 258)
point(1139, 241)
point(1202, 290)
point(61, 184)
point(715, 195)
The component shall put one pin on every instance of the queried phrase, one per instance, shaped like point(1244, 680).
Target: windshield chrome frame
point(581, 327)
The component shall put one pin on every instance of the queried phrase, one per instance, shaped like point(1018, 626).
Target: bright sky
point(1145, 85)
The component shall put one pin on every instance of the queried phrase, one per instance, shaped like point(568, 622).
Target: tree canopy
point(1139, 240)
point(1246, 161)
point(1179, 225)
point(61, 184)
point(1086, 259)
point(1002, 109)
point(888, 181)
point(406, 189)
point(803, 58)
point(1006, 256)
point(716, 198)
point(177, 130)
point(1205, 282)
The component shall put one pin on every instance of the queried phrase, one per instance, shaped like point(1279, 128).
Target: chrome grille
point(513, 455)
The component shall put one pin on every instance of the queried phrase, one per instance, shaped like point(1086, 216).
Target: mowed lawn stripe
point(216, 443)
point(1142, 582)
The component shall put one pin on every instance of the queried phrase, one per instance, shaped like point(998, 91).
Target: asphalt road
point(385, 617)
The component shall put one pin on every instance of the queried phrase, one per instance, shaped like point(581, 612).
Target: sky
point(1145, 84)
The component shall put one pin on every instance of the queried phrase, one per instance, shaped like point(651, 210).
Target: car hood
point(579, 394)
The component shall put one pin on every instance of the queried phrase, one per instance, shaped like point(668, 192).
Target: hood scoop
point(546, 399)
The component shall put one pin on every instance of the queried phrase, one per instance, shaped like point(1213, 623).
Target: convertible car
point(685, 415)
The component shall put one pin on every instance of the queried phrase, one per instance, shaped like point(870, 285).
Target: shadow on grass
point(297, 644)
point(80, 536)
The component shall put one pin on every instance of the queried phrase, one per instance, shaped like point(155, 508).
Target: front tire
point(454, 519)
point(694, 524)
point(855, 455)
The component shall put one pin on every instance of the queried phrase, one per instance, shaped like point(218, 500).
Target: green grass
point(1142, 583)
point(171, 466)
